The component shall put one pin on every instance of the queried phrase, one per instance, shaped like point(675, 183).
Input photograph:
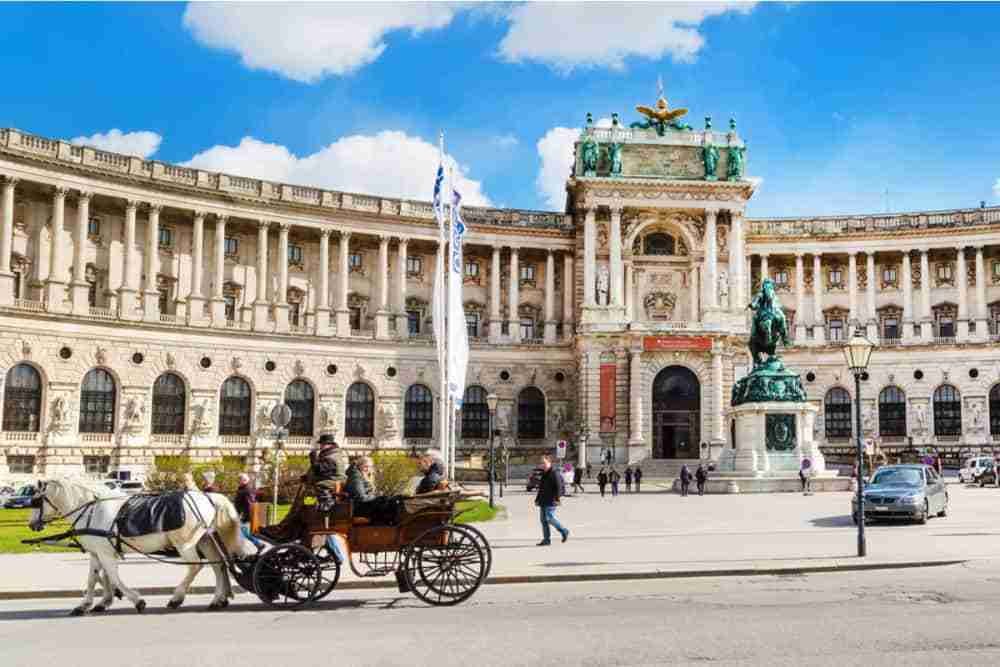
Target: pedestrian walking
point(637, 476)
point(547, 499)
point(802, 478)
point(685, 479)
point(628, 479)
point(590, 470)
point(578, 480)
point(614, 478)
point(700, 477)
point(602, 480)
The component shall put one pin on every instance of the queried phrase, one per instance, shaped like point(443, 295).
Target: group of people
point(613, 477)
point(700, 478)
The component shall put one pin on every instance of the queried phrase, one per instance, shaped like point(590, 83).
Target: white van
point(973, 467)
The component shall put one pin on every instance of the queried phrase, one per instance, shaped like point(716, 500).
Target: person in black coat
point(433, 467)
point(700, 477)
point(550, 490)
point(602, 480)
point(628, 479)
point(578, 479)
point(614, 478)
point(685, 479)
point(637, 476)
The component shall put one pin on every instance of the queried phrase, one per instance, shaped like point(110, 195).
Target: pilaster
point(382, 314)
point(281, 298)
point(55, 287)
point(151, 295)
point(79, 289)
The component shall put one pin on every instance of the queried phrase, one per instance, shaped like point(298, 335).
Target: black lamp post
point(857, 354)
point(491, 403)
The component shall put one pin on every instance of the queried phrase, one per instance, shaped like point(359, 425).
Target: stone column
point(151, 294)
point(718, 404)
point(635, 399)
point(852, 293)
point(79, 289)
point(550, 298)
point(513, 297)
point(129, 289)
point(589, 258)
point(629, 293)
point(736, 275)
point(982, 308)
point(261, 306)
point(695, 292)
point(926, 319)
point(907, 279)
point(196, 299)
point(496, 323)
point(382, 314)
point(218, 303)
point(402, 322)
point(7, 241)
point(764, 269)
point(281, 298)
point(55, 286)
point(615, 251)
point(800, 301)
point(323, 280)
point(819, 330)
point(343, 285)
point(871, 323)
point(568, 295)
point(963, 293)
point(710, 289)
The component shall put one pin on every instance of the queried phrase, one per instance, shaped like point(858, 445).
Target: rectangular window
point(230, 307)
point(23, 465)
point(354, 260)
point(836, 329)
point(472, 269)
point(946, 327)
point(166, 237)
point(781, 278)
point(293, 313)
point(472, 324)
point(295, 255)
point(355, 319)
point(528, 272)
point(890, 327)
point(414, 265)
point(835, 277)
point(944, 271)
point(164, 299)
point(96, 465)
point(996, 269)
point(232, 247)
point(889, 275)
point(413, 321)
point(94, 227)
point(527, 329)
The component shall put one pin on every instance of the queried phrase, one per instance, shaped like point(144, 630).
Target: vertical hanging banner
point(458, 339)
point(609, 377)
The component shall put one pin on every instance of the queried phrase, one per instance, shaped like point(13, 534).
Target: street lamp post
point(857, 354)
point(491, 403)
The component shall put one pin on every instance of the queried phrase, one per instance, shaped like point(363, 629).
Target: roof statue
point(661, 116)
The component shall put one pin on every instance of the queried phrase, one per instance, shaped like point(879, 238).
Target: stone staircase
point(663, 469)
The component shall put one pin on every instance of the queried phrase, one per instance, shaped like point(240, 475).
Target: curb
point(388, 583)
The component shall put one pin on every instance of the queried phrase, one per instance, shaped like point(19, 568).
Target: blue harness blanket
point(146, 514)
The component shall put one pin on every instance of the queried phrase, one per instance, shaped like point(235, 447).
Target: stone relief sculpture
point(503, 418)
point(327, 421)
point(557, 419)
point(390, 428)
point(723, 289)
point(264, 419)
point(201, 418)
point(60, 420)
point(603, 286)
point(920, 417)
point(659, 305)
point(976, 416)
point(135, 415)
point(868, 417)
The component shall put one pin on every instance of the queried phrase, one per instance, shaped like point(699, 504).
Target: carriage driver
point(432, 465)
point(328, 469)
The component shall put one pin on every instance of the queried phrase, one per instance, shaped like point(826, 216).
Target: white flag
point(438, 296)
point(458, 338)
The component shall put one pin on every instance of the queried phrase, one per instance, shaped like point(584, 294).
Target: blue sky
point(838, 102)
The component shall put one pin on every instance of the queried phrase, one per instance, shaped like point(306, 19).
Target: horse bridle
point(41, 498)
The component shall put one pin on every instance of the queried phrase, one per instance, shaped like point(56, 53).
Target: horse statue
point(209, 524)
point(769, 326)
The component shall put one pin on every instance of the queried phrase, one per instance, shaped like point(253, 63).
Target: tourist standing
point(614, 478)
point(685, 479)
point(637, 476)
point(700, 477)
point(590, 470)
point(578, 480)
point(208, 477)
point(547, 499)
point(602, 480)
point(628, 479)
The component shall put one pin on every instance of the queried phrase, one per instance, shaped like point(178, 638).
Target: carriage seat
point(360, 521)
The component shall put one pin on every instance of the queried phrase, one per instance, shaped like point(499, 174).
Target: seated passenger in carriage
point(381, 510)
point(432, 466)
point(327, 470)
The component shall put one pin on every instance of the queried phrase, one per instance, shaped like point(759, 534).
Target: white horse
point(89, 506)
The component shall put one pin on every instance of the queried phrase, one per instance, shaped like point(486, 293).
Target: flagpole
point(445, 428)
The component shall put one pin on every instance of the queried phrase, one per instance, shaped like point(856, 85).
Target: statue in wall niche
point(264, 418)
point(977, 416)
point(920, 416)
point(710, 156)
point(327, 418)
point(603, 286)
point(503, 418)
point(201, 418)
point(557, 419)
point(589, 152)
point(60, 419)
point(868, 418)
point(135, 415)
point(736, 157)
point(388, 413)
point(723, 289)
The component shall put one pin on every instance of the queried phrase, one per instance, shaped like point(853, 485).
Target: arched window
point(947, 411)
point(359, 417)
point(892, 413)
point(300, 398)
point(994, 410)
point(530, 413)
point(659, 244)
point(475, 414)
point(22, 399)
point(169, 403)
point(235, 407)
point(837, 406)
point(418, 412)
point(97, 402)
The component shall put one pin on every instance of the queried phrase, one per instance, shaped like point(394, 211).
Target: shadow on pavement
point(832, 521)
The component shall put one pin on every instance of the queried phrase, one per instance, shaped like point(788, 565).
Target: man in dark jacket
point(547, 498)
point(685, 479)
point(637, 476)
point(628, 479)
point(433, 468)
point(700, 477)
point(602, 480)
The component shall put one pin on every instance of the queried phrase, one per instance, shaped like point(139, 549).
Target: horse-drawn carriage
point(440, 562)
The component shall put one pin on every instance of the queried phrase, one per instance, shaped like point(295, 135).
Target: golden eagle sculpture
point(662, 113)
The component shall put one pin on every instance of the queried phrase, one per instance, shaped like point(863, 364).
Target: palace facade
point(148, 309)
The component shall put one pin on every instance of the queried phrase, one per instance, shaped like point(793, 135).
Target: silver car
point(911, 492)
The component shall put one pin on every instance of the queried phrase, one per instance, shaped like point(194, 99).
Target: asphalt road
point(940, 615)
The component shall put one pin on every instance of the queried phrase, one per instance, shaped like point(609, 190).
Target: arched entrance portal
point(676, 414)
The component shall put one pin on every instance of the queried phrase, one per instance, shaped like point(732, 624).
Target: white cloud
point(504, 141)
point(996, 189)
point(309, 41)
point(566, 35)
point(142, 144)
point(555, 150)
point(390, 163)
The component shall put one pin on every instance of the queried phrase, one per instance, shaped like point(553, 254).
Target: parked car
point(533, 479)
point(988, 475)
point(21, 499)
point(974, 466)
point(129, 488)
point(913, 492)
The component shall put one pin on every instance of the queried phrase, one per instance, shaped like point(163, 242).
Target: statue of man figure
point(603, 286)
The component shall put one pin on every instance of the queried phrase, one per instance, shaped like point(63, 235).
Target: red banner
point(672, 343)
point(609, 376)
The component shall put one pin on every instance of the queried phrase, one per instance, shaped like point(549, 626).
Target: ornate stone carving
point(920, 417)
point(659, 305)
point(169, 360)
point(61, 417)
point(236, 364)
point(135, 415)
point(201, 418)
point(101, 356)
point(603, 285)
point(723, 289)
point(557, 419)
point(976, 418)
point(299, 368)
point(602, 236)
point(390, 427)
point(327, 418)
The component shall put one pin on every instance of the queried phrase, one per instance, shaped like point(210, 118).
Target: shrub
point(393, 472)
point(290, 472)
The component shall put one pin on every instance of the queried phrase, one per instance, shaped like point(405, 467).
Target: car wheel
point(922, 519)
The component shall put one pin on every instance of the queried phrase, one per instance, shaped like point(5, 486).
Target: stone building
point(152, 310)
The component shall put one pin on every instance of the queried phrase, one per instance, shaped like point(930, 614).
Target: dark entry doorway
point(676, 414)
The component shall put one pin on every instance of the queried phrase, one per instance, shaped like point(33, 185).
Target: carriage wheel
point(329, 572)
point(287, 576)
point(445, 565)
point(484, 545)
